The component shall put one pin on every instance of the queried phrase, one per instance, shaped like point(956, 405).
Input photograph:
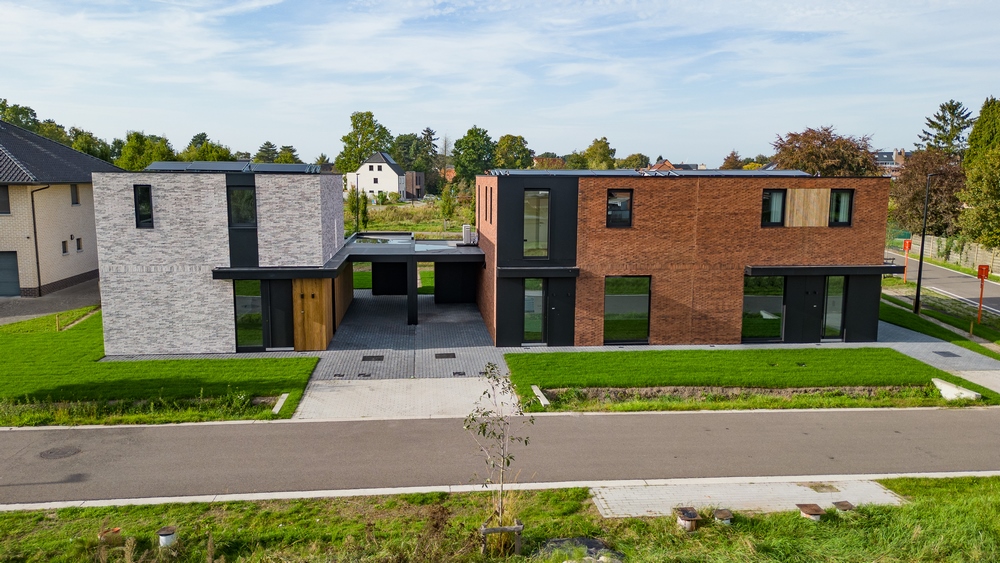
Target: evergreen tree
point(732, 161)
point(322, 159)
point(201, 148)
point(946, 129)
point(266, 153)
point(287, 155)
point(985, 133)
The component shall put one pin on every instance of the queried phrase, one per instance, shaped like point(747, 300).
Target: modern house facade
point(380, 174)
point(679, 257)
point(47, 233)
point(219, 257)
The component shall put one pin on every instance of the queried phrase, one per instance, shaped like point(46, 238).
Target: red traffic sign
point(984, 272)
point(907, 244)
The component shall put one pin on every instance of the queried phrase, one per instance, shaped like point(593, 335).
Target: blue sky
point(688, 80)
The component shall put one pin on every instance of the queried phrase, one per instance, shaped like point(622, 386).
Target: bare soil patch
point(631, 393)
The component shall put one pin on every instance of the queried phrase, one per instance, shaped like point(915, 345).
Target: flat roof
point(366, 247)
point(654, 173)
point(234, 167)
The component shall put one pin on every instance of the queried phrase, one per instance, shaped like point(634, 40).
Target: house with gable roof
point(380, 173)
point(47, 232)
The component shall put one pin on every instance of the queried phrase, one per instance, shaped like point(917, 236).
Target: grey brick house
point(219, 257)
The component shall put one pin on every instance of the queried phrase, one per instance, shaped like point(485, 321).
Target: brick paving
point(660, 500)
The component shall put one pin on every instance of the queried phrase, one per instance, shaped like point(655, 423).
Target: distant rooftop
point(237, 166)
point(654, 173)
point(29, 158)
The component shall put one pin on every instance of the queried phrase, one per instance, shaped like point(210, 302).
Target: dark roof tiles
point(29, 158)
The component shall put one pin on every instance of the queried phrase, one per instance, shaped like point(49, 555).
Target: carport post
point(411, 290)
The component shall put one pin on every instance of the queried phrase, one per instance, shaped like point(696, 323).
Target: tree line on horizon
point(961, 152)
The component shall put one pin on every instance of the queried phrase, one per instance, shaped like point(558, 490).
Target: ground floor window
point(534, 310)
point(833, 310)
point(626, 309)
point(249, 315)
point(763, 307)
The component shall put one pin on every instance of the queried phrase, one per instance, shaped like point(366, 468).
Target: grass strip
point(943, 520)
point(907, 319)
point(980, 330)
point(48, 323)
point(59, 375)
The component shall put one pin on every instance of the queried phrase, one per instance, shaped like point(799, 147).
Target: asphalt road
point(157, 461)
point(952, 283)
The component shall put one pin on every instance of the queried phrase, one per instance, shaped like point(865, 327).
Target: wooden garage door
point(9, 284)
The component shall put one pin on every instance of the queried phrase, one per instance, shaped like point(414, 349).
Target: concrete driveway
point(14, 309)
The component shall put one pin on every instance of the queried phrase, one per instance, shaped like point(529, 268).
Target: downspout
point(34, 229)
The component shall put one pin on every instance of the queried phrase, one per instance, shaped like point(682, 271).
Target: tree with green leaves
point(447, 205)
point(946, 129)
point(943, 207)
point(823, 152)
point(357, 208)
point(547, 154)
point(473, 154)
point(405, 149)
point(366, 137)
point(985, 133)
point(242, 155)
point(86, 142)
point(322, 159)
point(633, 161)
point(266, 153)
point(52, 130)
point(512, 152)
point(140, 150)
point(287, 155)
point(600, 155)
point(201, 148)
point(427, 159)
point(980, 220)
point(733, 161)
point(575, 161)
point(22, 116)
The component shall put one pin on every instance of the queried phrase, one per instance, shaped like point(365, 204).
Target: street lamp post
point(923, 239)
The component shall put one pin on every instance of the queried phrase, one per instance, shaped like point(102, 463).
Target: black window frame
point(142, 222)
point(379, 167)
point(65, 247)
point(371, 167)
point(74, 194)
point(548, 223)
point(850, 208)
point(79, 244)
point(649, 309)
point(631, 205)
point(233, 224)
point(784, 207)
point(4, 199)
point(375, 180)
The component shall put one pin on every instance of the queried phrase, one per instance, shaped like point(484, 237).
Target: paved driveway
point(13, 309)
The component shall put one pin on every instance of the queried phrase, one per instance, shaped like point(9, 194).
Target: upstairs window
point(773, 208)
point(143, 206)
point(74, 194)
point(841, 204)
point(4, 200)
point(65, 247)
point(619, 208)
point(242, 207)
point(79, 245)
point(379, 167)
point(371, 167)
point(536, 223)
point(374, 180)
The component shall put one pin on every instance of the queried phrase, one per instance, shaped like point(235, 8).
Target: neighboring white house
point(380, 173)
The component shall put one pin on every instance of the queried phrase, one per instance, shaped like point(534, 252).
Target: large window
point(243, 227)
point(249, 315)
point(626, 309)
point(841, 202)
point(74, 194)
point(763, 307)
point(536, 223)
point(619, 208)
point(833, 307)
point(773, 208)
point(143, 206)
point(4, 200)
point(242, 207)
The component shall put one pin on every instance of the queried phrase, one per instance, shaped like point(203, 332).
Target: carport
point(394, 258)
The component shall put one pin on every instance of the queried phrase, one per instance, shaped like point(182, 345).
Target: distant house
point(47, 233)
point(414, 183)
point(662, 164)
point(891, 162)
point(380, 173)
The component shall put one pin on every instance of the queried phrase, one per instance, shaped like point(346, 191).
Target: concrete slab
point(952, 392)
point(391, 399)
point(660, 500)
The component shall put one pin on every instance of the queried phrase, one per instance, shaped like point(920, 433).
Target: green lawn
point(38, 369)
point(943, 520)
point(907, 319)
point(363, 280)
point(770, 369)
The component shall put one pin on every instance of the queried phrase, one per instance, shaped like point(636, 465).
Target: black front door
point(279, 307)
point(804, 307)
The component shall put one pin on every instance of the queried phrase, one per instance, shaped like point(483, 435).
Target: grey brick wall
point(332, 208)
point(157, 291)
point(289, 220)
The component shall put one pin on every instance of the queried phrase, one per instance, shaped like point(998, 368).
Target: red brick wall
point(486, 226)
point(694, 236)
